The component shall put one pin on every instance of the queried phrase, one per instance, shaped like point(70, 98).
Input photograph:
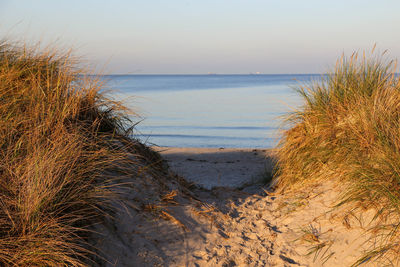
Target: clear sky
point(201, 36)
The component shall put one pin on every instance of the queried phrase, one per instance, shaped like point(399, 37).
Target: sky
point(206, 36)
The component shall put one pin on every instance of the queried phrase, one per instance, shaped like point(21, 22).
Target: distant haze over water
point(238, 111)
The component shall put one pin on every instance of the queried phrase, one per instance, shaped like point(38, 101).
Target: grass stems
point(349, 130)
point(58, 137)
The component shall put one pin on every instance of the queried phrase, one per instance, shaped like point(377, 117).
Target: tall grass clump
point(349, 130)
point(58, 141)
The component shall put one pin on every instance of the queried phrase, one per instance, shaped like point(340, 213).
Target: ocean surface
point(235, 111)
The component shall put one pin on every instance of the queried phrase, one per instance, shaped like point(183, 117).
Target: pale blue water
point(209, 110)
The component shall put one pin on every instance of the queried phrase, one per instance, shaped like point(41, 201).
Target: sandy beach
point(219, 167)
point(224, 216)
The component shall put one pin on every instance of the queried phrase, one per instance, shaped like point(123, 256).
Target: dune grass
point(349, 130)
point(58, 136)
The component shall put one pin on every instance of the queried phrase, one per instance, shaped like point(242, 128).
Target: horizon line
point(204, 74)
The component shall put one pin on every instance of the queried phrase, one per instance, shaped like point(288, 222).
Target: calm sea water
point(209, 110)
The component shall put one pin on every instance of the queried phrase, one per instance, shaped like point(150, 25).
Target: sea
point(214, 111)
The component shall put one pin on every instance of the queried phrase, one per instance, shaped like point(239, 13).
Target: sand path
point(217, 224)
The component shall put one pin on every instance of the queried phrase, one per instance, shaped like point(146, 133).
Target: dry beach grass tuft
point(59, 135)
point(349, 131)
